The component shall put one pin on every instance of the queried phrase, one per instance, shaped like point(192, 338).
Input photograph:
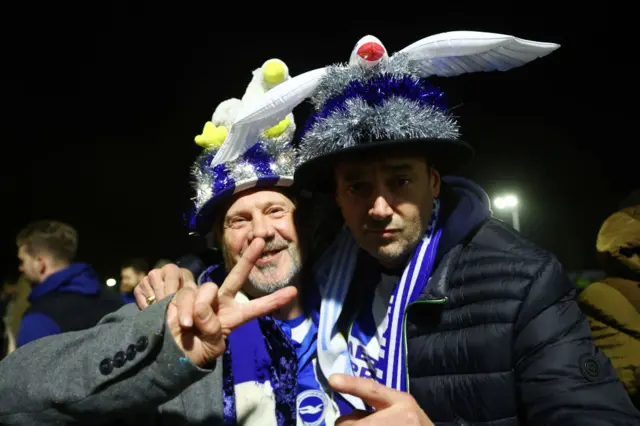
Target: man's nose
point(262, 228)
point(381, 208)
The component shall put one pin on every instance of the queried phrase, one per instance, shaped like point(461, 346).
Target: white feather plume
point(460, 52)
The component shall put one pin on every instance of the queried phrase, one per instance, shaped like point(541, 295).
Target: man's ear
point(436, 182)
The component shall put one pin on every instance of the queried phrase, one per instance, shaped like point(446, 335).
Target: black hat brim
point(448, 156)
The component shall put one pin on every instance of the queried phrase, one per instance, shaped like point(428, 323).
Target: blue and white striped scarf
point(334, 273)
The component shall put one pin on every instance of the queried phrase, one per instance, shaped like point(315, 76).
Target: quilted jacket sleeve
point(562, 378)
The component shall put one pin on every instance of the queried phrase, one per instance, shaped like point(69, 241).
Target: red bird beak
point(371, 51)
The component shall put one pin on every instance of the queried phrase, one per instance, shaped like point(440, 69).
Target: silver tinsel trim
point(340, 75)
point(399, 63)
point(284, 164)
point(397, 118)
point(202, 179)
point(240, 170)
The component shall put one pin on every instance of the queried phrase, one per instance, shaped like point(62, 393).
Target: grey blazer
point(125, 370)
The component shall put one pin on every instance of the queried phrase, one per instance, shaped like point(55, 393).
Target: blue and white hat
point(382, 102)
point(266, 160)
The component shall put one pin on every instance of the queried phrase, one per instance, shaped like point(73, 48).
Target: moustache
point(275, 245)
point(272, 245)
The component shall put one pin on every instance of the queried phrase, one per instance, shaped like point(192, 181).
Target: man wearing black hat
point(423, 291)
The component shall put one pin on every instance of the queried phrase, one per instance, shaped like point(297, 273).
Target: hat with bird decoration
point(382, 102)
point(267, 158)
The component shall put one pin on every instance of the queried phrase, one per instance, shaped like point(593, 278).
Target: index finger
point(172, 278)
point(370, 391)
point(141, 291)
point(187, 278)
point(240, 272)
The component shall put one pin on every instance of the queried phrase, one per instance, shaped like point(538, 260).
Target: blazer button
point(119, 359)
point(106, 366)
point(131, 352)
point(142, 344)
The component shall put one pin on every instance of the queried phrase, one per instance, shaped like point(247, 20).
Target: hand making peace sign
point(200, 319)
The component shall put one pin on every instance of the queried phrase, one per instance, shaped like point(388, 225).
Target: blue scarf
point(334, 273)
point(260, 355)
point(260, 362)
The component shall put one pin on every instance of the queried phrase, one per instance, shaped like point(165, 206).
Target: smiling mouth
point(268, 256)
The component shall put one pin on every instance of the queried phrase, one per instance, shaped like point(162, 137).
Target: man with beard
point(199, 356)
point(257, 390)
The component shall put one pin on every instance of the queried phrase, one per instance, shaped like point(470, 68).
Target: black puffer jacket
point(498, 339)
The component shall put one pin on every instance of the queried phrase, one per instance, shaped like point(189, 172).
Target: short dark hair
point(137, 264)
point(58, 239)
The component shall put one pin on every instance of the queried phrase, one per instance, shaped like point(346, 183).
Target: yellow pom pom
point(212, 136)
point(274, 71)
point(278, 129)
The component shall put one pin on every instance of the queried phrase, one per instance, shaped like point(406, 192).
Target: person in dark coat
point(66, 296)
point(455, 316)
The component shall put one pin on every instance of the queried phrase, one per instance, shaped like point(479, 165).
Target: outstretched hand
point(200, 319)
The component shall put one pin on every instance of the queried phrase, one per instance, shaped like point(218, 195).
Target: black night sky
point(101, 109)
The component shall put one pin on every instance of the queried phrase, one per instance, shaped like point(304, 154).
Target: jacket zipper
point(404, 330)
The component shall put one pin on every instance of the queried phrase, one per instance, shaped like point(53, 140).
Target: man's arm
point(563, 379)
point(128, 362)
point(129, 365)
point(35, 326)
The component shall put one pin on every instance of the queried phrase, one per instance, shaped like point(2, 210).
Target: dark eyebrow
point(356, 174)
point(352, 175)
point(397, 168)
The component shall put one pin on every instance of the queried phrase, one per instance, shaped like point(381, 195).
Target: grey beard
point(269, 283)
